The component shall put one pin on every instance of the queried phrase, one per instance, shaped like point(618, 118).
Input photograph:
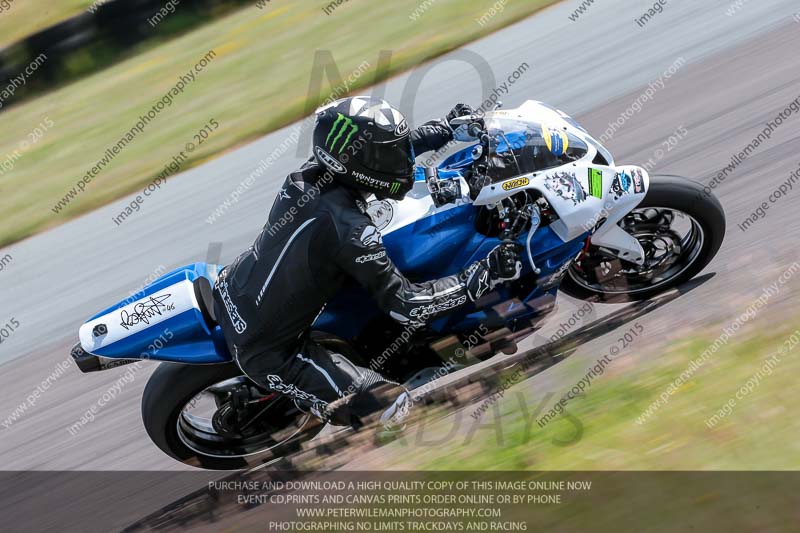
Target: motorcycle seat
point(204, 293)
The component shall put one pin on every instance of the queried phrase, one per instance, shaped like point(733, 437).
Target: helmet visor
point(392, 158)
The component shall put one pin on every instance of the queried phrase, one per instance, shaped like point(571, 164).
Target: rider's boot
point(385, 402)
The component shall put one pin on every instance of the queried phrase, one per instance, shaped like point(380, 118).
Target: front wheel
point(680, 228)
point(211, 416)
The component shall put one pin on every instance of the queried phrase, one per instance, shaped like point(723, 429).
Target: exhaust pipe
point(88, 362)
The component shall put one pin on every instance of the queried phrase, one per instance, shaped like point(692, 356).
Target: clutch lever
point(467, 119)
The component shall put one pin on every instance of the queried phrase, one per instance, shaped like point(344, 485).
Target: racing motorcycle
point(587, 226)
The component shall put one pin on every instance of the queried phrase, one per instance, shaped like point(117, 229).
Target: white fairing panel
point(139, 315)
point(628, 190)
point(583, 194)
point(574, 195)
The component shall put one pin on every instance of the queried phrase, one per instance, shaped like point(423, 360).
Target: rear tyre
point(673, 256)
point(189, 413)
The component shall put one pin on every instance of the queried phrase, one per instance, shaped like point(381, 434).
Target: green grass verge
point(257, 83)
point(25, 17)
point(601, 430)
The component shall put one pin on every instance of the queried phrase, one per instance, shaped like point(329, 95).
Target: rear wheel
point(680, 228)
point(211, 416)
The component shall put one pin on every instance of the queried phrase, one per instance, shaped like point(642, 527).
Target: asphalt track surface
point(738, 73)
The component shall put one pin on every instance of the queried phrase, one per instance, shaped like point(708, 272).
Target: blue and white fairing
point(165, 321)
point(590, 194)
point(427, 242)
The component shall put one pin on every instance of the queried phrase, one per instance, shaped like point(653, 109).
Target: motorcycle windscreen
point(517, 147)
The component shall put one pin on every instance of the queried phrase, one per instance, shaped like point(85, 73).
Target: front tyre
point(211, 416)
point(681, 229)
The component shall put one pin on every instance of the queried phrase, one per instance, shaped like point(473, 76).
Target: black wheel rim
point(672, 241)
point(196, 428)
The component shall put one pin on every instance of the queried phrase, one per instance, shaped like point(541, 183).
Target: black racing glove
point(501, 265)
point(460, 110)
point(460, 131)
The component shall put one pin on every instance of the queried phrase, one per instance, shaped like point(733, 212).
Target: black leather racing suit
point(318, 235)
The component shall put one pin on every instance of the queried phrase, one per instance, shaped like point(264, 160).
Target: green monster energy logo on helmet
point(395, 187)
point(341, 125)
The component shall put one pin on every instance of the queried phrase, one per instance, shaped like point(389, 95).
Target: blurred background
point(87, 71)
point(101, 99)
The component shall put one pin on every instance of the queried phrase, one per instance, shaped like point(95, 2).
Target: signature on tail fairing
point(144, 311)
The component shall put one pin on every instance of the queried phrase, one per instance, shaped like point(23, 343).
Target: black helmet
point(366, 144)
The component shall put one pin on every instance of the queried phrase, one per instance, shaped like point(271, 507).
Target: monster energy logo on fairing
point(341, 125)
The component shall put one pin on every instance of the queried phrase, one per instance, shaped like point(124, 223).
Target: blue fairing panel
point(435, 246)
point(440, 245)
point(430, 248)
point(163, 322)
point(459, 160)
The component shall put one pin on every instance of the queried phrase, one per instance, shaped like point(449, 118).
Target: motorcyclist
point(317, 236)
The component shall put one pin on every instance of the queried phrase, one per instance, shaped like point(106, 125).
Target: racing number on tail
point(341, 125)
